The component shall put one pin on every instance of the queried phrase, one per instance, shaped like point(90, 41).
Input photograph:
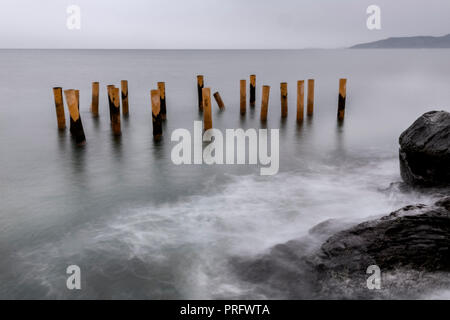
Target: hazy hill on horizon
point(418, 42)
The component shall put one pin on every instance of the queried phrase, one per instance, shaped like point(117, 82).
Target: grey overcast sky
point(215, 24)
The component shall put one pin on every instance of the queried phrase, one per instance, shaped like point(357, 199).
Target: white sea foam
point(185, 245)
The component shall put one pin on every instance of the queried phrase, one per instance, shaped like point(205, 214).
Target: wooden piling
point(284, 101)
point(156, 114)
point(243, 96)
point(124, 91)
point(207, 118)
point(300, 100)
point(115, 115)
point(109, 90)
point(94, 103)
point(342, 98)
point(252, 90)
point(264, 102)
point(59, 106)
point(77, 94)
point(77, 127)
point(200, 84)
point(219, 100)
point(310, 106)
point(162, 98)
point(71, 121)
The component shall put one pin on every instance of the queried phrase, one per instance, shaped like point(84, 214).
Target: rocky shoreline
point(410, 246)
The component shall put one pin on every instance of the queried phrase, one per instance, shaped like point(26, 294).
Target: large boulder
point(425, 150)
point(411, 246)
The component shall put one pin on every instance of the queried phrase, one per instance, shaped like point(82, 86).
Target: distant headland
point(407, 42)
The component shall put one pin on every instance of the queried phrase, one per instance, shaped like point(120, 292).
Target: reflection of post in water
point(78, 164)
point(116, 146)
point(340, 142)
point(62, 139)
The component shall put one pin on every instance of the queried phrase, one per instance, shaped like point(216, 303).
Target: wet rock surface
point(411, 246)
point(425, 150)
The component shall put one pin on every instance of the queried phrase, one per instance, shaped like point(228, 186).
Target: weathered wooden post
point(77, 127)
point(109, 89)
point(200, 84)
point(252, 90)
point(124, 87)
point(219, 100)
point(310, 105)
point(156, 115)
point(284, 101)
point(342, 97)
point(265, 102)
point(115, 115)
point(59, 106)
point(162, 97)
point(94, 103)
point(243, 96)
point(72, 123)
point(207, 118)
point(300, 100)
point(77, 94)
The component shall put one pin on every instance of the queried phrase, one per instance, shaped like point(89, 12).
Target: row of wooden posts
point(159, 111)
point(158, 100)
point(204, 99)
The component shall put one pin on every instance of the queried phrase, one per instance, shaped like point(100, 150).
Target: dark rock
point(411, 246)
point(413, 238)
point(425, 150)
point(416, 237)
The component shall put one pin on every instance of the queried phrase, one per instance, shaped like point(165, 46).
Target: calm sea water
point(139, 226)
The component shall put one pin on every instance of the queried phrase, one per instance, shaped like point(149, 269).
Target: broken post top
point(162, 89)
point(72, 103)
point(115, 97)
point(57, 91)
point(200, 80)
point(156, 105)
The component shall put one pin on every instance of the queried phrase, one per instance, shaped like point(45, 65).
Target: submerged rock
point(425, 150)
point(411, 246)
